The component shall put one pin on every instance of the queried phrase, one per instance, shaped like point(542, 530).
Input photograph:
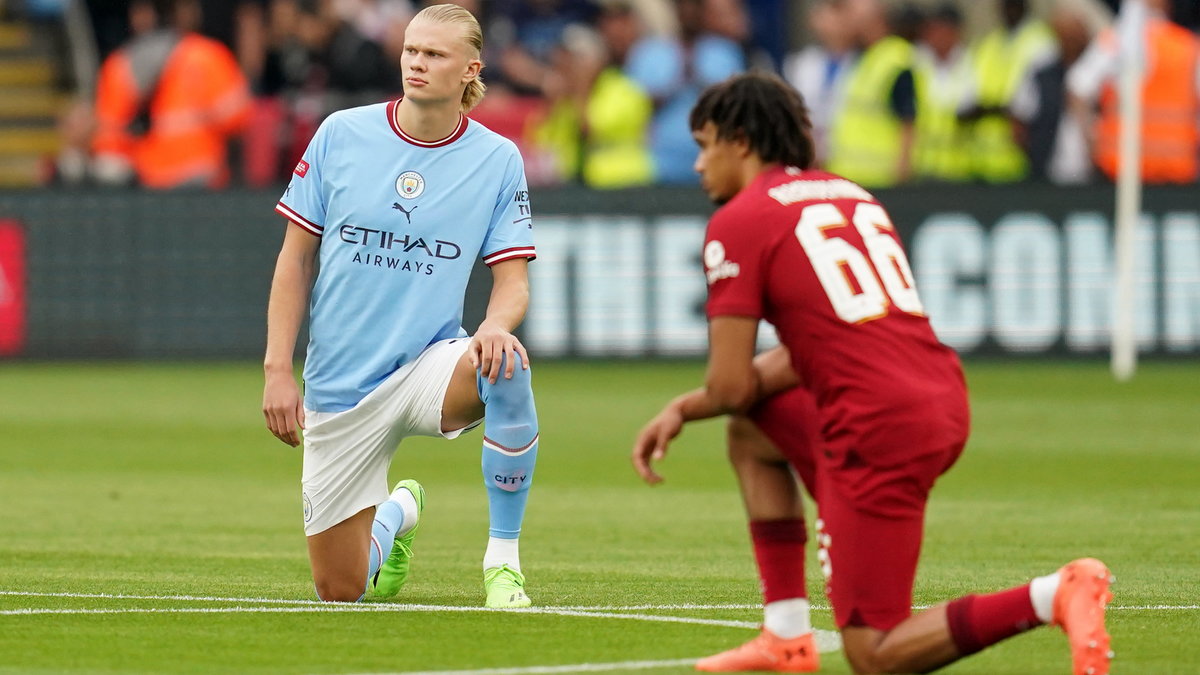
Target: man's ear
point(741, 143)
point(474, 67)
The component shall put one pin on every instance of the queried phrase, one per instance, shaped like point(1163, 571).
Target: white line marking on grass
point(1143, 608)
point(827, 641)
point(397, 607)
point(660, 608)
point(185, 610)
point(368, 608)
point(549, 670)
point(181, 598)
point(645, 617)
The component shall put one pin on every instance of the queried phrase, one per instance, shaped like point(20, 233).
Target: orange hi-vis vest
point(199, 100)
point(1170, 140)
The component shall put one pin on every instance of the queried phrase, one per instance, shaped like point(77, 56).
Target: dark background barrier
point(1012, 270)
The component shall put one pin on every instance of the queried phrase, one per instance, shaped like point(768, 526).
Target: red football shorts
point(871, 507)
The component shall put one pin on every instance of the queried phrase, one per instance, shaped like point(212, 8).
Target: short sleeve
point(303, 201)
point(733, 268)
point(510, 234)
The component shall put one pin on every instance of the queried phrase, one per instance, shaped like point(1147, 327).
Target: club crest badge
point(410, 185)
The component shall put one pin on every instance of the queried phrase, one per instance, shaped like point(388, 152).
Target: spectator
point(598, 119)
point(818, 70)
point(1003, 59)
point(1170, 99)
point(730, 20)
point(241, 26)
point(353, 69)
point(618, 111)
point(943, 76)
point(167, 103)
point(381, 21)
point(525, 34)
point(871, 140)
point(673, 72)
point(72, 164)
point(769, 27)
point(1053, 139)
point(557, 152)
point(110, 24)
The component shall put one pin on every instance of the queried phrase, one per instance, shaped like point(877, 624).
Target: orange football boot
point(1079, 611)
point(767, 652)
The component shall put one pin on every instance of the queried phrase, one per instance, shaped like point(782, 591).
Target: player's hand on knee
point(491, 347)
point(283, 408)
point(652, 443)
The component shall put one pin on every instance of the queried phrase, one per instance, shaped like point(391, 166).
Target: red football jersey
point(818, 257)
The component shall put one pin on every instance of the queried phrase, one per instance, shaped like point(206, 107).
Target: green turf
point(160, 480)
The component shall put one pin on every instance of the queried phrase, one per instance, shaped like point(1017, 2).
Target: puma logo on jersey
point(407, 212)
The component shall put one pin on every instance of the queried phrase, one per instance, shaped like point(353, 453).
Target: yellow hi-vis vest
point(618, 117)
point(942, 149)
point(864, 142)
point(1001, 62)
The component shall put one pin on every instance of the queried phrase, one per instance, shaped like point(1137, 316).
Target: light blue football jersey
point(401, 223)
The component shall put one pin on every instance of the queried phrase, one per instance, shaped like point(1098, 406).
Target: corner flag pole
point(1131, 64)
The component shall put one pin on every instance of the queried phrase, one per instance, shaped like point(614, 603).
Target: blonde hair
point(455, 14)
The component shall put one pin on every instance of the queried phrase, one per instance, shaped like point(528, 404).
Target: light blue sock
point(510, 443)
point(389, 518)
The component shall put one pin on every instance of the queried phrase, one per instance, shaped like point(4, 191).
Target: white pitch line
point(659, 608)
point(369, 608)
point(550, 670)
point(180, 598)
point(1145, 608)
point(649, 617)
point(181, 610)
point(565, 610)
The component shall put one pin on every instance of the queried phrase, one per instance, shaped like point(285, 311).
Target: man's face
point(437, 62)
point(719, 164)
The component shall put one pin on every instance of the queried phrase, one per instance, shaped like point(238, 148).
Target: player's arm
point(506, 309)
point(282, 403)
point(774, 371)
point(731, 382)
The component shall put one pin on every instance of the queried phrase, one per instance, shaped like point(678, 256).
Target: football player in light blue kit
point(396, 201)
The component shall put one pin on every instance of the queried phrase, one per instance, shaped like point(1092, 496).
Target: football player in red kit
point(860, 399)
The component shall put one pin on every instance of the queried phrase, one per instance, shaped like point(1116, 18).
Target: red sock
point(978, 621)
point(779, 550)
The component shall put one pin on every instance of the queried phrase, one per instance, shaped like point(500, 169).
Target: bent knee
point(746, 442)
point(742, 433)
point(339, 590)
point(879, 661)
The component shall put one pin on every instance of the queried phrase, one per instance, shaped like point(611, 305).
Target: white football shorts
point(347, 454)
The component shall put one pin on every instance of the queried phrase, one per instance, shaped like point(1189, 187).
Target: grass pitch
point(149, 523)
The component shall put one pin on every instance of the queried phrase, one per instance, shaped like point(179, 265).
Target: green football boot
point(393, 573)
point(505, 588)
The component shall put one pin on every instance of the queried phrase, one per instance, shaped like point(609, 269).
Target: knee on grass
point(339, 590)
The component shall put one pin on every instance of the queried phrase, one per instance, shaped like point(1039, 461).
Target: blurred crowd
point(597, 92)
